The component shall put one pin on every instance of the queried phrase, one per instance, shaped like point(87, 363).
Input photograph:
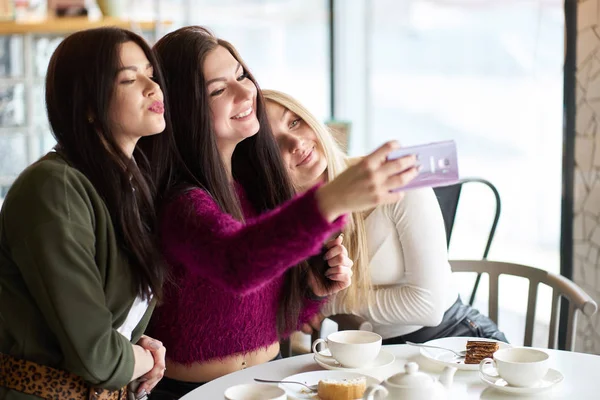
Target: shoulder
point(190, 200)
point(189, 196)
point(50, 191)
point(48, 166)
point(416, 201)
point(50, 179)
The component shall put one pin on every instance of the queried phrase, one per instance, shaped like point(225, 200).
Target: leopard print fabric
point(50, 383)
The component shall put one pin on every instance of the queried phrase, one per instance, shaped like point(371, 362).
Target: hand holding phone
point(438, 164)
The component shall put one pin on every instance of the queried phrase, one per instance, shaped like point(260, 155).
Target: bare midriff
point(211, 369)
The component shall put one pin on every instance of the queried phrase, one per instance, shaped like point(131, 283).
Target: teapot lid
point(412, 377)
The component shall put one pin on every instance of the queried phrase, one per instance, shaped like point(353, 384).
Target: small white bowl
point(255, 391)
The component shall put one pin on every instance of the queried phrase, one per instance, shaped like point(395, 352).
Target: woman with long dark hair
point(80, 268)
point(232, 231)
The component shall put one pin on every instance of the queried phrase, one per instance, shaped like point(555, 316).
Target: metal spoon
point(461, 354)
point(312, 388)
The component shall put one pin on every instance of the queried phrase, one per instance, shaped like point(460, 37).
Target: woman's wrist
point(144, 361)
point(327, 204)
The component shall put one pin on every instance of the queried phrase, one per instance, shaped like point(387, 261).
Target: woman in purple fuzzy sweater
point(232, 231)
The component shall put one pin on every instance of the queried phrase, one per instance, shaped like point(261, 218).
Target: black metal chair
point(448, 197)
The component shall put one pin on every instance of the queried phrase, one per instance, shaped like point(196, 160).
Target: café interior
point(513, 83)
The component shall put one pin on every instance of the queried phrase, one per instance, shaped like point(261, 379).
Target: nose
point(151, 88)
point(244, 91)
point(296, 143)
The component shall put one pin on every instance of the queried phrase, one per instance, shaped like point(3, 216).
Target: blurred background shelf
point(72, 24)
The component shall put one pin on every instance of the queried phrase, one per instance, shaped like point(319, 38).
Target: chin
point(154, 130)
point(158, 130)
point(251, 131)
point(322, 168)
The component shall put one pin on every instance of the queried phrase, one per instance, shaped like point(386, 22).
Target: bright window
point(487, 74)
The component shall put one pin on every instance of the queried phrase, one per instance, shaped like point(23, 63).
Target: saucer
point(384, 358)
point(447, 358)
point(313, 377)
point(552, 378)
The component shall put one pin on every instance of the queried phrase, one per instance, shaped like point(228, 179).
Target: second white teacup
point(518, 366)
point(352, 349)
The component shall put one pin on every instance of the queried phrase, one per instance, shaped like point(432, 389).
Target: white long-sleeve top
point(408, 260)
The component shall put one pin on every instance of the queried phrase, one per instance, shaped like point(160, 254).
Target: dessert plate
point(457, 344)
point(312, 378)
point(552, 378)
point(384, 358)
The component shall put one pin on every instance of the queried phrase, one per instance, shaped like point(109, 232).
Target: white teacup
point(255, 391)
point(352, 349)
point(518, 366)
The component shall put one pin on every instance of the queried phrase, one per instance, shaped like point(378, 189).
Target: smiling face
point(232, 98)
point(300, 148)
point(136, 107)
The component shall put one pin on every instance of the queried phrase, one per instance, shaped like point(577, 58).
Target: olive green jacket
point(65, 285)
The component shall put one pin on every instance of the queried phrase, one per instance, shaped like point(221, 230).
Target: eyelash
point(295, 123)
point(240, 78)
point(130, 81)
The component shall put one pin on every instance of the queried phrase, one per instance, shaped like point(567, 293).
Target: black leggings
point(459, 320)
point(172, 389)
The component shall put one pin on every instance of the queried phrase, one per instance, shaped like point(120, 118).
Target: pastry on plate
point(342, 389)
point(477, 350)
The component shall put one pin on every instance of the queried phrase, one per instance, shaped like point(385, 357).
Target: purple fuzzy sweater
point(228, 275)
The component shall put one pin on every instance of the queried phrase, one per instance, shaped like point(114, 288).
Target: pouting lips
point(157, 107)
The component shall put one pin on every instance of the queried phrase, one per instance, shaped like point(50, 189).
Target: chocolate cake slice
point(477, 350)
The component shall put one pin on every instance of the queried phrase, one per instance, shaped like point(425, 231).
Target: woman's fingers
point(339, 270)
point(153, 377)
point(402, 179)
point(340, 285)
point(149, 343)
point(342, 278)
point(156, 373)
point(379, 156)
point(339, 260)
point(389, 175)
point(335, 241)
point(399, 165)
point(335, 251)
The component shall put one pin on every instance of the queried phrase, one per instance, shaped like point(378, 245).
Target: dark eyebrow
point(223, 79)
point(133, 68)
point(285, 111)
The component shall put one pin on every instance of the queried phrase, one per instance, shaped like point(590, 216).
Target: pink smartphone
point(438, 161)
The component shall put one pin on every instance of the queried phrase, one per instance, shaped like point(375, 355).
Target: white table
point(581, 376)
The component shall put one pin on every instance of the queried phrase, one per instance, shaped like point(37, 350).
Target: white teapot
point(412, 385)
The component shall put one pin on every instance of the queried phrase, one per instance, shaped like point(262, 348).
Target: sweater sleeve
point(52, 242)
point(420, 298)
point(237, 256)
point(311, 308)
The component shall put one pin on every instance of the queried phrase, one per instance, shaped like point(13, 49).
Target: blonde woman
point(401, 281)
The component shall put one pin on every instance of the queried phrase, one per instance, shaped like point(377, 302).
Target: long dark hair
point(256, 161)
point(79, 87)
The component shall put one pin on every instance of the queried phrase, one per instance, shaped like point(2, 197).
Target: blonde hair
point(355, 238)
